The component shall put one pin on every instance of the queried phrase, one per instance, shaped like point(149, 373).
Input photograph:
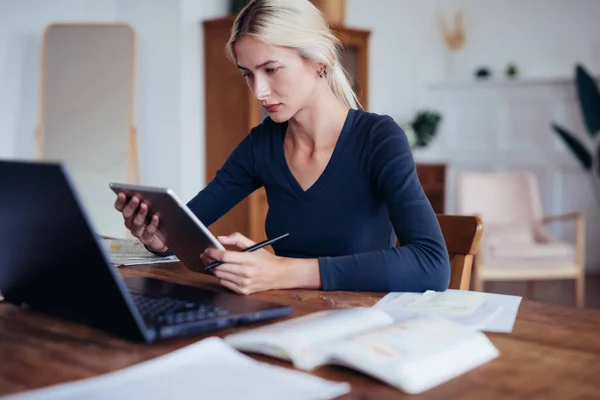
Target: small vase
point(334, 10)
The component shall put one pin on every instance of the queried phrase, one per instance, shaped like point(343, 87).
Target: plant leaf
point(598, 159)
point(589, 100)
point(583, 155)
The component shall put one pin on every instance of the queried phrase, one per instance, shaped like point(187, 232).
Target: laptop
point(51, 260)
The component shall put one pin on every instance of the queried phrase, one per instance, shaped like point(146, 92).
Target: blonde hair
point(296, 24)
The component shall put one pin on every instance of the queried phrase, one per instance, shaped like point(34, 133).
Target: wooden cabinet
point(433, 180)
point(231, 111)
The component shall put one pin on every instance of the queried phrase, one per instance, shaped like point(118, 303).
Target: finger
point(121, 201)
point(131, 207)
point(243, 271)
point(228, 276)
point(228, 256)
point(232, 286)
point(206, 259)
point(237, 239)
point(151, 229)
point(140, 217)
point(137, 231)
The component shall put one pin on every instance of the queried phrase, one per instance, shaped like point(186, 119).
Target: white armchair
point(515, 244)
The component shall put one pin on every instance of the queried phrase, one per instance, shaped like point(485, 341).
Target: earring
point(321, 73)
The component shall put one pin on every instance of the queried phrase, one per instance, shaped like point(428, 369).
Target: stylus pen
point(249, 249)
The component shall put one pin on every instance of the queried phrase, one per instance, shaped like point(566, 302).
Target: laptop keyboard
point(169, 311)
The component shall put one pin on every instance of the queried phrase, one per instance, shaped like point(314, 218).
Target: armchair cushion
point(508, 234)
point(515, 246)
point(533, 251)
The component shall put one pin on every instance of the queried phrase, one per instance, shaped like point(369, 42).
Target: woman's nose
point(261, 88)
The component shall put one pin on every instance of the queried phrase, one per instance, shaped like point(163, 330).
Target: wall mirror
point(87, 111)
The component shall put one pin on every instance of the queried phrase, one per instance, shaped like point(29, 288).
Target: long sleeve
point(231, 184)
point(421, 261)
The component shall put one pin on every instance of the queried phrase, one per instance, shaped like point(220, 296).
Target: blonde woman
point(340, 180)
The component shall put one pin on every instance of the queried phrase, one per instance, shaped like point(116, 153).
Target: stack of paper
point(481, 311)
point(124, 252)
point(209, 369)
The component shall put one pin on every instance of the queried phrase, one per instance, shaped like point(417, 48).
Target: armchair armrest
point(579, 233)
point(562, 217)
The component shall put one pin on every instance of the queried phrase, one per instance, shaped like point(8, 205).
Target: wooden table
point(552, 353)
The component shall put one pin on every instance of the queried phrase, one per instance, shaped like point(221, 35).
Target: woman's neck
point(318, 126)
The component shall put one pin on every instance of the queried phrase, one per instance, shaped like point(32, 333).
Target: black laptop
point(52, 261)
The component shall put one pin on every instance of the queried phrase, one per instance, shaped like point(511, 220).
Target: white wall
point(543, 37)
point(169, 111)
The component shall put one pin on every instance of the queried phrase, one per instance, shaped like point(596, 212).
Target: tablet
point(178, 227)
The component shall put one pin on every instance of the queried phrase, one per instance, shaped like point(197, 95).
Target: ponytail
point(340, 86)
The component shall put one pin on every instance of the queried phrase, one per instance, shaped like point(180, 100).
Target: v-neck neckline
point(329, 168)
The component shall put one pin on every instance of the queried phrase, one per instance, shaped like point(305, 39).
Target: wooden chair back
point(462, 235)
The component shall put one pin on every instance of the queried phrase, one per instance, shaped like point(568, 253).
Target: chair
point(516, 245)
point(462, 235)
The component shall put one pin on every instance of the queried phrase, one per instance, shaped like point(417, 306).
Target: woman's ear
point(322, 70)
point(319, 68)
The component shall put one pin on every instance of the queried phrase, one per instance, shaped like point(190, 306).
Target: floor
point(556, 292)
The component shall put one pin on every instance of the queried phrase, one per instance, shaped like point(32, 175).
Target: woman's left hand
point(246, 273)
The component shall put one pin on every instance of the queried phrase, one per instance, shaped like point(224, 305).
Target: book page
point(125, 252)
point(416, 354)
point(209, 369)
point(302, 340)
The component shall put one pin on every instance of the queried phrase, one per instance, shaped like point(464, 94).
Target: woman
point(340, 180)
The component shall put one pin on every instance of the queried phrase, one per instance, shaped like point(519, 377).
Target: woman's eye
point(272, 70)
point(246, 75)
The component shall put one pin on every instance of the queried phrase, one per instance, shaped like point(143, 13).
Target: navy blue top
point(368, 195)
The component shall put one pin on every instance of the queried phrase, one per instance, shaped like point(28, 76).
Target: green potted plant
point(235, 6)
point(422, 130)
point(587, 155)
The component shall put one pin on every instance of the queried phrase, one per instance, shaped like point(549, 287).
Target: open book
point(412, 355)
point(125, 252)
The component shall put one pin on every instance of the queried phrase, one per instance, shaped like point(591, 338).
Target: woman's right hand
point(135, 215)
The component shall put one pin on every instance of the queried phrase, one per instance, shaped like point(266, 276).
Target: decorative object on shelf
point(235, 6)
point(483, 73)
point(421, 131)
point(512, 71)
point(589, 101)
point(334, 10)
point(453, 37)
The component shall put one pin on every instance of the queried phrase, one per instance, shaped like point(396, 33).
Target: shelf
point(501, 82)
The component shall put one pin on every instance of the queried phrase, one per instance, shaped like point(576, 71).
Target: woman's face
point(281, 80)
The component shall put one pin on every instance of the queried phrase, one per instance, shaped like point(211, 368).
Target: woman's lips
point(272, 107)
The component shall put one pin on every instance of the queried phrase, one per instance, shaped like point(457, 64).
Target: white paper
point(497, 313)
point(456, 303)
point(209, 369)
point(124, 260)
